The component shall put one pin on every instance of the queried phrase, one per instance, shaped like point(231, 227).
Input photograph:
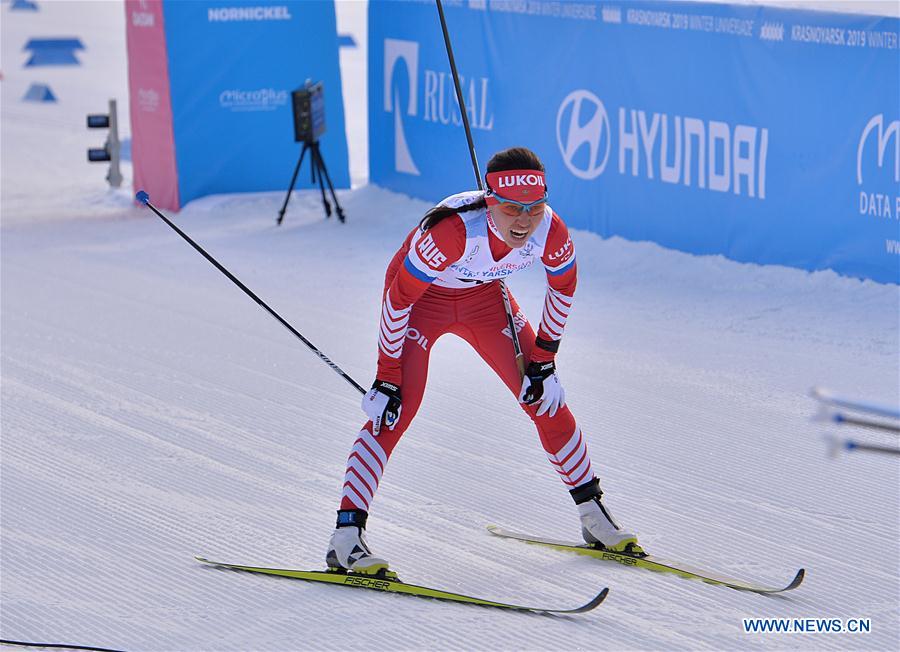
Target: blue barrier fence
point(231, 70)
point(767, 135)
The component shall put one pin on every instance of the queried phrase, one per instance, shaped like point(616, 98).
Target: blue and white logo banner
point(232, 67)
point(766, 135)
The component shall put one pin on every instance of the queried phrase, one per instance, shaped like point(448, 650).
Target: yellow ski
point(392, 584)
point(648, 562)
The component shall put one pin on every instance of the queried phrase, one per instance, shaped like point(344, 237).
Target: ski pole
point(517, 347)
point(144, 198)
point(851, 445)
point(829, 414)
point(839, 417)
point(836, 444)
point(459, 96)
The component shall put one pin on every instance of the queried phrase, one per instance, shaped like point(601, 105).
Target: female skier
point(442, 281)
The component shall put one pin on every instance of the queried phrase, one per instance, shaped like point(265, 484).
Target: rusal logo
point(431, 90)
point(396, 50)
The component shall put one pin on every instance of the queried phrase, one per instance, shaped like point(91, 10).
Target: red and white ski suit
point(439, 282)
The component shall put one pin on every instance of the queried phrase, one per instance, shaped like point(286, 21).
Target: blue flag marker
point(142, 197)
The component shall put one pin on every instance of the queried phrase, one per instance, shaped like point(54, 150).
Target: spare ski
point(649, 562)
point(828, 398)
point(392, 584)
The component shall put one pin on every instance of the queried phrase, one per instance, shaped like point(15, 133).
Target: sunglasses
point(513, 207)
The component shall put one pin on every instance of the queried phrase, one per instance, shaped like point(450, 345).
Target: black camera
point(308, 102)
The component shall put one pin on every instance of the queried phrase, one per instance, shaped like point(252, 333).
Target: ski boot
point(597, 525)
point(348, 551)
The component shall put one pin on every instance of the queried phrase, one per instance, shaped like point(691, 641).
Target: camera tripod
point(318, 172)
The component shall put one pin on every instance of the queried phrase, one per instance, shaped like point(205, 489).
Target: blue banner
point(232, 67)
point(766, 135)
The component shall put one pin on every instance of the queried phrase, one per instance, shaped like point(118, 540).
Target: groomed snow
point(151, 412)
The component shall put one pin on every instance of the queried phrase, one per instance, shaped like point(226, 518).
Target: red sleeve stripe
point(556, 311)
point(393, 328)
point(562, 302)
point(557, 305)
point(551, 327)
point(391, 344)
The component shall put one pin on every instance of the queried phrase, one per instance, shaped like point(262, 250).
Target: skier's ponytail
point(436, 214)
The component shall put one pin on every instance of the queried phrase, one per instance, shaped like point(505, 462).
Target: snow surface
point(151, 412)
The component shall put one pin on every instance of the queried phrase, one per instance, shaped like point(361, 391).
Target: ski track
point(151, 412)
point(147, 420)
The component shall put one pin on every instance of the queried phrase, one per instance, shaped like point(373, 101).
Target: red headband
point(520, 185)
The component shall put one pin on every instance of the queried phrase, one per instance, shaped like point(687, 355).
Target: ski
point(649, 562)
point(826, 397)
point(392, 584)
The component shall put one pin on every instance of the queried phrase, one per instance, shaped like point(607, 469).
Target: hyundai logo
point(582, 121)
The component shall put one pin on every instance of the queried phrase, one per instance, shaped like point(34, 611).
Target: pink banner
point(152, 139)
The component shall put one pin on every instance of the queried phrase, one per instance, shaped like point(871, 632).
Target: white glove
point(382, 405)
point(541, 384)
